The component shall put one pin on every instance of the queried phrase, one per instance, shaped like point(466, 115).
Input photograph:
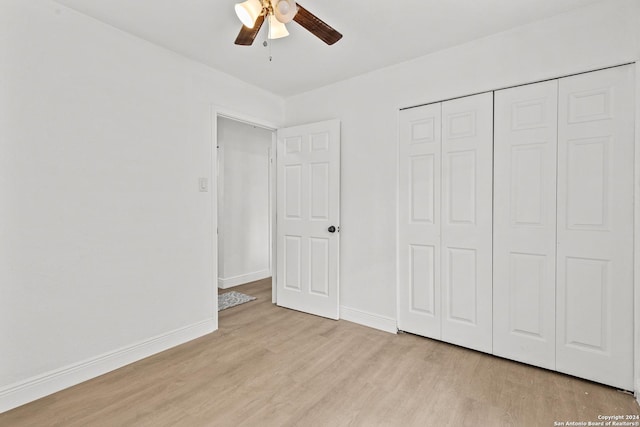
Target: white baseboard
point(43, 385)
point(371, 320)
point(230, 282)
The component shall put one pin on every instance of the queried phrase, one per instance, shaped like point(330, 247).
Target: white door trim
point(636, 238)
point(273, 218)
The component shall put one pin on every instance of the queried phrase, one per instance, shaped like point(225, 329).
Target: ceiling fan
point(252, 14)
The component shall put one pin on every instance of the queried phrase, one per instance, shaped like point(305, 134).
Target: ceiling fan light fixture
point(276, 28)
point(248, 12)
point(273, 11)
point(284, 10)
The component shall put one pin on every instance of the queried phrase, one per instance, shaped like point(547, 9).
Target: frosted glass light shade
point(284, 10)
point(248, 12)
point(276, 28)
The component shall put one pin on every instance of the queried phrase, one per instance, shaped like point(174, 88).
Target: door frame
point(636, 239)
point(222, 112)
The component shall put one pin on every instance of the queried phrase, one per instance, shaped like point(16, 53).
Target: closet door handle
point(331, 229)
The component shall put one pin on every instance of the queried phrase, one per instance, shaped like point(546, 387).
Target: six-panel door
point(308, 204)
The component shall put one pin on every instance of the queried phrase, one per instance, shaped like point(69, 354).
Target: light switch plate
point(203, 185)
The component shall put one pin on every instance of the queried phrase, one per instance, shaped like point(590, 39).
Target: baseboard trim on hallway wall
point(51, 382)
point(230, 282)
point(371, 320)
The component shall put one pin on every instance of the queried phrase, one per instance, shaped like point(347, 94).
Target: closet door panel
point(419, 221)
point(595, 226)
point(524, 252)
point(467, 158)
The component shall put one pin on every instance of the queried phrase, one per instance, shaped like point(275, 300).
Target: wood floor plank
point(270, 366)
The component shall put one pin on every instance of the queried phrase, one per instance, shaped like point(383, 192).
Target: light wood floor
point(268, 366)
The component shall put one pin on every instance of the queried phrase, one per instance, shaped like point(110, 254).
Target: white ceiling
point(376, 33)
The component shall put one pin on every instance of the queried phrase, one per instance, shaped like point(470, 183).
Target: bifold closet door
point(467, 169)
point(419, 221)
point(595, 226)
point(524, 252)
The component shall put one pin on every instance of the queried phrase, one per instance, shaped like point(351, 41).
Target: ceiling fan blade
point(316, 26)
point(247, 35)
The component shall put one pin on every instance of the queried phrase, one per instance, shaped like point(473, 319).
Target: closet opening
point(516, 223)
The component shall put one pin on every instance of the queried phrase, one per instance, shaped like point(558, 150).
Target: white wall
point(107, 247)
point(600, 35)
point(244, 222)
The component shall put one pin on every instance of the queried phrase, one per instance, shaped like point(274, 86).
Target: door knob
point(331, 229)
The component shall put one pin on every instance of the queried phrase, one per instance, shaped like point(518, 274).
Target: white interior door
point(308, 218)
point(419, 221)
point(467, 170)
point(595, 226)
point(524, 223)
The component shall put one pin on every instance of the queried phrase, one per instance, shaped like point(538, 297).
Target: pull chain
point(266, 40)
point(267, 44)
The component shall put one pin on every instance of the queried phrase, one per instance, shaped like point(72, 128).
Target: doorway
point(245, 190)
point(305, 183)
